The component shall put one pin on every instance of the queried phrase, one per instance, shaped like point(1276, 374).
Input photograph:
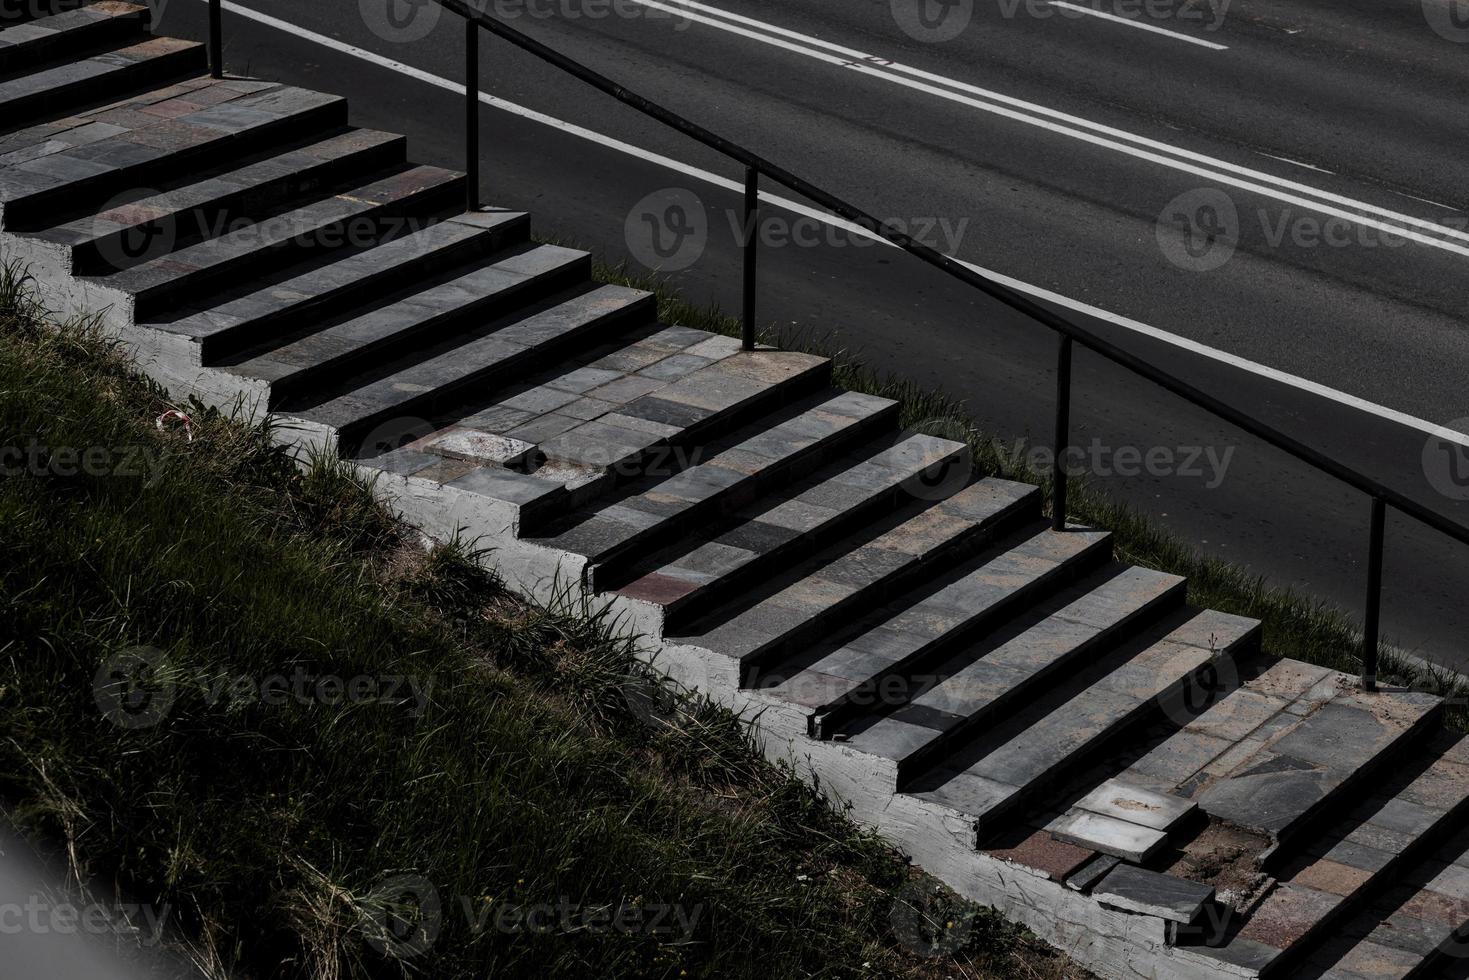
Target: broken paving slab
point(1135, 889)
point(1134, 804)
point(1129, 841)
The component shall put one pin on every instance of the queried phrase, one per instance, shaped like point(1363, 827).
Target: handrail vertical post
point(1371, 625)
point(216, 39)
point(752, 218)
point(1063, 437)
point(471, 114)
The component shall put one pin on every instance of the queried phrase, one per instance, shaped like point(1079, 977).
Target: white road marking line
point(682, 7)
point(1262, 189)
point(1312, 166)
point(1130, 22)
point(1183, 343)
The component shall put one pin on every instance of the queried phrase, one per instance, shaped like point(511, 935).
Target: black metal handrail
point(756, 166)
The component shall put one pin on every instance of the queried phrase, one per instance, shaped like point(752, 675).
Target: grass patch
point(1295, 625)
point(236, 691)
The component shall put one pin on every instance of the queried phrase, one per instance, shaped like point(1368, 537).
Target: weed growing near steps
point(1295, 625)
point(329, 754)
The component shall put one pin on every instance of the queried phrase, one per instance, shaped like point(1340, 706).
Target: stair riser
point(959, 549)
point(309, 380)
point(503, 374)
point(125, 249)
point(931, 753)
point(357, 293)
point(114, 32)
point(1351, 789)
point(689, 607)
point(46, 208)
point(826, 722)
point(635, 466)
point(1002, 816)
point(613, 563)
point(174, 66)
point(373, 224)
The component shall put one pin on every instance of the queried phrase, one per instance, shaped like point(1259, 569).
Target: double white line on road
point(1217, 171)
point(713, 179)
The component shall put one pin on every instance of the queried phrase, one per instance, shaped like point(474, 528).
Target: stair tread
point(889, 646)
point(299, 163)
point(1269, 754)
point(842, 574)
point(115, 67)
point(597, 386)
point(506, 347)
point(461, 296)
point(123, 142)
point(1419, 920)
point(45, 37)
point(1039, 746)
point(600, 534)
point(298, 293)
point(766, 533)
point(1005, 673)
point(325, 213)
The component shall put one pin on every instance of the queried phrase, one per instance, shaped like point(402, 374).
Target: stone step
point(324, 225)
point(291, 371)
point(733, 476)
point(1004, 771)
point(267, 308)
point(55, 91)
point(16, 12)
point(980, 691)
point(764, 538)
point(74, 165)
point(615, 413)
point(70, 33)
point(151, 225)
point(1287, 747)
point(1376, 855)
point(873, 662)
point(798, 608)
point(511, 347)
point(1418, 927)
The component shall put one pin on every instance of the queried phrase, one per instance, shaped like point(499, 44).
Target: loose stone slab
point(1108, 835)
point(1134, 804)
point(1136, 889)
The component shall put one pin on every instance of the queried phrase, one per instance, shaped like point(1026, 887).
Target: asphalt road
point(1288, 191)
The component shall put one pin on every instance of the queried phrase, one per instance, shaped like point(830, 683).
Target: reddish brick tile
point(1042, 852)
point(654, 587)
point(1287, 915)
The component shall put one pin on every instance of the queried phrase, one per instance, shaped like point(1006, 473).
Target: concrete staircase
point(1050, 730)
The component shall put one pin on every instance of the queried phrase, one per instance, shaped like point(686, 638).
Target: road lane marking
point(1130, 22)
point(862, 61)
point(1183, 343)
